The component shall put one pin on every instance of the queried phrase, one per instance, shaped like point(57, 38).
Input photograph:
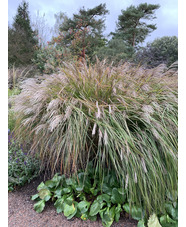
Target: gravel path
point(22, 214)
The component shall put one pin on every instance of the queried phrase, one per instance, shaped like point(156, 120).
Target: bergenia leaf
point(95, 207)
point(41, 186)
point(68, 210)
point(141, 223)
point(39, 206)
point(83, 206)
point(44, 194)
point(153, 221)
point(34, 197)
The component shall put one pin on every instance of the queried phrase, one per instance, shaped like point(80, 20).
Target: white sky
point(167, 14)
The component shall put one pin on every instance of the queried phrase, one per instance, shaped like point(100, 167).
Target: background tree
point(116, 50)
point(131, 26)
point(21, 38)
point(41, 28)
point(163, 50)
point(60, 18)
point(83, 34)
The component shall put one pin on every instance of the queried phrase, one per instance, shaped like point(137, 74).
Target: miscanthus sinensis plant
point(122, 118)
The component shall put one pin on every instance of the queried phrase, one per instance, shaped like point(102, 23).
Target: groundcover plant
point(123, 119)
point(22, 168)
point(86, 197)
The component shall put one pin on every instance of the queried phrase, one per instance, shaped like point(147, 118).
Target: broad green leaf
point(163, 219)
point(68, 210)
point(126, 207)
point(173, 196)
point(135, 212)
point(69, 200)
point(122, 191)
point(108, 217)
point(34, 197)
point(44, 194)
point(112, 212)
point(59, 205)
point(171, 211)
point(39, 206)
point(106, 189)
point(95, 207)
point(50, 183)
point(141, 223)
point(41, 186)
point(75, 211)
point(81, 178)
point(113, 181)
point(153, 221)
point(169, 220)
point(94, 191)
point(83, 206)
point(57, 179)
point(78, 213)
point(117, 212)
point(170, 225)
point(47, 198)
point(58, 193)
point(102, 211)
point(104, 197)
point(117, 197)
point(70, 181)
point(66, 190)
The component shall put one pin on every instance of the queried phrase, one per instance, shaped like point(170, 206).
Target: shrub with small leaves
point(49, 59)
point(22, 168)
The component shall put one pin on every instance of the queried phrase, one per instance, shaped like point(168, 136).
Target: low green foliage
point(83, 196)
point(86, 197)
point(49, 59)
point(11, 120)
point(12, 92)
point(21, 167)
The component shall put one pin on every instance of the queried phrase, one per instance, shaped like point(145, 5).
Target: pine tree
point(21, 39)
point(83, 33)
point(131, 26)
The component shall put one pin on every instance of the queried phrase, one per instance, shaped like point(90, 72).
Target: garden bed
point(21, 212)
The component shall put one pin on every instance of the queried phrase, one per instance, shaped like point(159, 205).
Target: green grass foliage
point(121, 118)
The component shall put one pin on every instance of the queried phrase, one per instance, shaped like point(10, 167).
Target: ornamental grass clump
point(121, 118)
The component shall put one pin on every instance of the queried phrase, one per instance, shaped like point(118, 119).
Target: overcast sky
point(167, 14)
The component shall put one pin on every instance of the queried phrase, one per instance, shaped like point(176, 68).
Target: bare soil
point(22, 214)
